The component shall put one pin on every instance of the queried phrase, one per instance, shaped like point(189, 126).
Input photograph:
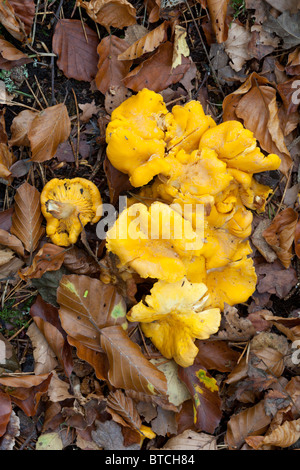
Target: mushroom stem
point(59, 210)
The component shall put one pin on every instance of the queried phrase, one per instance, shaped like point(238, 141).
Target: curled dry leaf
point(24, 11)
point(282, 436)
point(5, 411)
point(10, 22)
point(7, 442)
point(148, 43)
point(49, 258)
point(27, 218)
point(12, 242)
point(76, 49)
point(10, 56)
point(98, 360)
point(26, 391)
point(156, 73)
point(255, 104)
point(46, 318)
point(216, 355)
point(236, 46)
point(44, 357)
point(115, 13)
point(281, 233)
point(128, 368)
point(49, 128)
point(218, 10)
point(6, 160)
point(111, 70)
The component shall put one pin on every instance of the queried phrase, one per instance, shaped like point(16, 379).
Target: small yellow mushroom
point(68, 205)
point(174, 315)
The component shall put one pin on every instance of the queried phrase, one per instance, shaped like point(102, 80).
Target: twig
point(41, 91)
point(78, 131)
point(35, 21)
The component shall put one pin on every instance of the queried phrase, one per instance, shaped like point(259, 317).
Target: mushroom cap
point(174, 316)
point(135, 138)
point(154, 241)
point(232, 284)
point(237, 147)
point(68, 205)
point(185, 125)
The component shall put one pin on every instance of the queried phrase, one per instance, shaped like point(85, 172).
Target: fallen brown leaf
point(47, 320)
point(191, 440)
point(282, 436)
point(44, 357)
point(76, 49)
point(49, 258)
point(24, 11)
point(115, 13)
point(205, 394)
point(12, 242)
point(27, 218)
point(87, 306)
point(148, 43)
point(5, 411)
point(10, 22)
point(26, 391)
point(281, 233)
point(297, 239)
point(156, 73)
point(48, 129)
point(118, 405)
point(128, 368)
point(218, 10)
point(236, 46)
point(251, 421)
point(111, 70)
point(6, 160)
point(11, 57)
point(20, 128)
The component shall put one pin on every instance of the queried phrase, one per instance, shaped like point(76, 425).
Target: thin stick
point(41, 91)
point(35, 21)
point(78, 131)
point(35, 97)
point(82, 23)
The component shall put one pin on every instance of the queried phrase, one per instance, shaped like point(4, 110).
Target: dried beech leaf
point(251, 421)
point(297, 239)
point(48, 129)
point(280, 235)
point(25, 11)
point(26, 391)
point(86, 306)
point(77, 56)
point(156, 73)
point(46, 318)
point(129, 369)
point(282, 436)
point(11, 57)
point(216, 355)
point(6, 160)
point(236, 46)
point(5, 411)
point(27, 218)
point(111, 70)
point(205, 394)
point(218, 10)
point(7, 442)
point(148, 43)
point(12, 242)
point(49, 258)
point(10, 22)
point(98, 360)
point(125, 407)
point(20, 128)
point(191, 440)
point(44, 357)
point(115, 13)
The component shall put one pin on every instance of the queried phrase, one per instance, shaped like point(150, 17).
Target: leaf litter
point(76, 358)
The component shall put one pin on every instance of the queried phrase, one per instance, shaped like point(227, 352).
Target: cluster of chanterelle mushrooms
point(188, 226)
